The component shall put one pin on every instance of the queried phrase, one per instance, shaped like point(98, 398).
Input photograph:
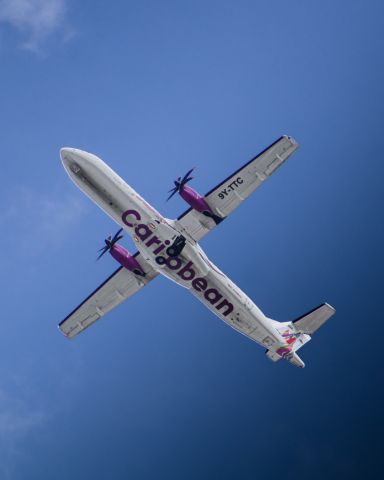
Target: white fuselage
point(152, 233)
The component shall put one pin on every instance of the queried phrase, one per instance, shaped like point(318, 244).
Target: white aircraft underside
point(153, 235)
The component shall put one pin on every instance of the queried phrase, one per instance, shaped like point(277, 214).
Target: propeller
point(109, 242)
point(179, 183)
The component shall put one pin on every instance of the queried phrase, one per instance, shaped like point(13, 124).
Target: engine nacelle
point(198, 203)
point(121, 255)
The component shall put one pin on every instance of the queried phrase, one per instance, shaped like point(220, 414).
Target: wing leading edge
point(230, 193)
point(121, 285)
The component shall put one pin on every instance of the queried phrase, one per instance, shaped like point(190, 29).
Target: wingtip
point(292, 140)
point(332, 309)
point(62, 331)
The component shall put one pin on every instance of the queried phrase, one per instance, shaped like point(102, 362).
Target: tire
point(172, 251)
point(160, 260)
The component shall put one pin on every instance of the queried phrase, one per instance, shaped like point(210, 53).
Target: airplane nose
point(65, 151)
point(70, 159)
point(79, 163)
point(66, 155)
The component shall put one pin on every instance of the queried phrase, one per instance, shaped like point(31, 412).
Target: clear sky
point(160, 388)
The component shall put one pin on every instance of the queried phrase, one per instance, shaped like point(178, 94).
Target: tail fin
point(298, 332)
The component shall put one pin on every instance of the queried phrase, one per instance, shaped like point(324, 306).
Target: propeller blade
point(109, 242)
point(173, 193)
point(104, 250)
point(185, 178)
point(117, 236)
point(180, 182)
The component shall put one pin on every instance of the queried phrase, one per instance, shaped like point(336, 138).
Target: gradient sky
point(160, 388)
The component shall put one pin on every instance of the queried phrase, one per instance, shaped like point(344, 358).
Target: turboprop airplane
point(171, 248)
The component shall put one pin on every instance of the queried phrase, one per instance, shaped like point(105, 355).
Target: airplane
point(171, 248)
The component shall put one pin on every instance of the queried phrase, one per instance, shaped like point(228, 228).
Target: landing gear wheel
point(172, 251)
point(160, 260)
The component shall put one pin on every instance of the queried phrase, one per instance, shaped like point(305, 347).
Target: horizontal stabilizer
point(314, 319)
point(295, 360)
point(292, 357)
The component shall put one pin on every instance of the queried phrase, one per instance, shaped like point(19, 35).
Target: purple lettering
point(174, 263)
point(187, 273)
point(199, 284)
point(127, 213)
point(227, 304)
point(212, 295)
point(143, 231)
point(153, 240)
point(159, 249)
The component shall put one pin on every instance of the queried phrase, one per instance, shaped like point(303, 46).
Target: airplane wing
point(121, 285)
point(230, 193)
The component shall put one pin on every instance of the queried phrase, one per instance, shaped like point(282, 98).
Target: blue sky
point(161, 388)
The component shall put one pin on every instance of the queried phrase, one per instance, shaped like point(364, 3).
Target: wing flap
point(121, 285)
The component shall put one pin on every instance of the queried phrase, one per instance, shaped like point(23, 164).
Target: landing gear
point(160, 260)
point(172, 251)
point(177, 247)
